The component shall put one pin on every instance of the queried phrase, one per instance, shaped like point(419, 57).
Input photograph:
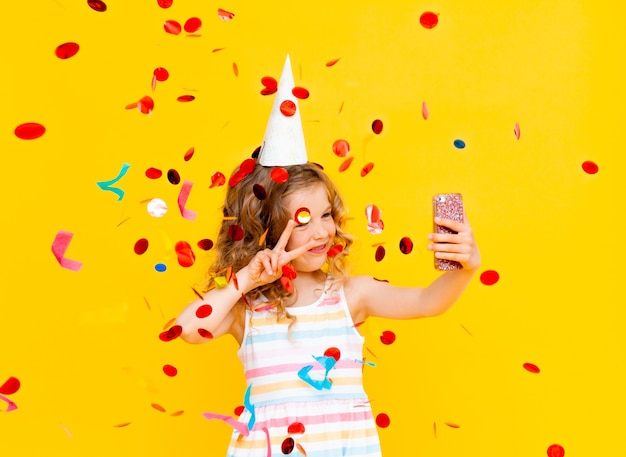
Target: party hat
point(283, 143)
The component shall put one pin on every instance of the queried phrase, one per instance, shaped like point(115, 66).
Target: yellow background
point(85, 344)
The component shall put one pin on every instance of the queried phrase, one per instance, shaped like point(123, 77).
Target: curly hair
point(257, 206)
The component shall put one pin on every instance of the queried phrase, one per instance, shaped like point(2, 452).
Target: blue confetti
point(107, 185)
point(459, 144)
point(160, 267)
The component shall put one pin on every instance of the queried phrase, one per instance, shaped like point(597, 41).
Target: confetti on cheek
point(29, 131)
point(217, 180)
point(153, 173)
point(10, 386)
point(590, 167)
point(157, 207)
point(429, 20)
point(382, 420)
point(296, 428)
point(459, 144)
point(387, 337)
point(59, 247)
point(66, 50)
point(380, 253)
point(97, 5)
point(345, 164)
point(377, 126)
point(516, 131)
point(425, 113)
point(288, 108)
point(225, 15)
point(341, 148)
point(183, 195)
point(141, 246)
point(107, 185)
point(335, 250)
point(172, 27)
point(170, 370)
point(165, 4)
point(270, 85)
point(205, 244)
point(489, 277)
point(288, 445)
point(556, 450)
point(300, 92)
point(186, 257)
point(279, 175)
point(303, 216)
point(192, 25)
point(366, 169)
point(332, 62)
point(531, 368)
point(204, 311)
point(406, 245)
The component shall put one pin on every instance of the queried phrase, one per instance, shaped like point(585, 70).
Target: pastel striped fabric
point(306, 390)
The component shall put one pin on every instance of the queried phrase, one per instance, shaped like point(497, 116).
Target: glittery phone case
point(448, 206)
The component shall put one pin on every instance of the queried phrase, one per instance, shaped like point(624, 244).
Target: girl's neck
point(309, 287)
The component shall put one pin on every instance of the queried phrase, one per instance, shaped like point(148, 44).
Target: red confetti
point(341, 148)
point(97, 5)
point(204, 311)
point(289, 271)
point(66, 50)
point(288, 108)
point(205, 333)
point(153, 173)
point(29, 131)
point(158, 407)
point(171, 334)
point(173, 176)
point(247, 166)
point(186, 257)
point(239, 409)
point(172, 27)
point(189, 154)
point(141, 246)
point(165, 3)
point(429, 20)
point(217, 179)
point(259, 191)
point(10, 386)
point(288, 445)
point(345, 164)
point(532, 368)
point(303, 216)
point(205, 244)
point(161, 74)
point(406, 245)
point(556, 450)
point(366, 169)
point(334, 250)
point(170, 370)
point(235, 232)
point(590, 167)
point(489, 277)
point(382, 420)
point(300, 92)
point(335, 353)
point(192, 25)
point(186, 98)
point(287, 284)
point(225, 15)
point(388, 337)
point(270, 85)
point(330, 63)
point(377, 126)
point(279, 175)
point(380, 253)
point(296, 428)
point(145, 105)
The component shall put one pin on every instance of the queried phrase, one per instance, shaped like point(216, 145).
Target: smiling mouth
point(318, 249)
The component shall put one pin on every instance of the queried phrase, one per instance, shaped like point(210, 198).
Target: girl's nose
point(320, 231)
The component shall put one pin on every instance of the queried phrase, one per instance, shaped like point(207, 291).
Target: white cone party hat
point(283, 143)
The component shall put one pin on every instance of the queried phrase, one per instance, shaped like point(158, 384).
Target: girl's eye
point(327, 215)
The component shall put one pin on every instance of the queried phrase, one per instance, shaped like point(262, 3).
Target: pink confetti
point(182, 201)
point(234, 423)
point(425, 111)
point(11, 405)
point(516, 131)
point(59, 246)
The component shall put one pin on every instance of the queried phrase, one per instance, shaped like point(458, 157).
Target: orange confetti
point(235, 69)
point(346, 164)
point(123, 424)
point(225, 15)
point(177, 413)
point(158, 407)
point(169, 323)
point(452, 425)
point(262, 238)
point(330, 63)
point(301, 449)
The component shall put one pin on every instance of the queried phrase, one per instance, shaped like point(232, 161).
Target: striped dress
point(305, 392)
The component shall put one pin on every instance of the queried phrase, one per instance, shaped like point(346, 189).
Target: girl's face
point(320, 227)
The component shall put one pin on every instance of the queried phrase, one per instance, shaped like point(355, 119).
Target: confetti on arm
point(59, 246)
point(106, 185)
point(182, 201)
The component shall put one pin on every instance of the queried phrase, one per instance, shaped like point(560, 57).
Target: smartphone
point(448, 206)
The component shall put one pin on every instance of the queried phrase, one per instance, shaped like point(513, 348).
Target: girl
point(294, 310)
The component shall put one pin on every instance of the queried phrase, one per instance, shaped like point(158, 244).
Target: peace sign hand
point(267, 265)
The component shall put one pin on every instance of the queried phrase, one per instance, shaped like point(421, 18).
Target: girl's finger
point(284, 237)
